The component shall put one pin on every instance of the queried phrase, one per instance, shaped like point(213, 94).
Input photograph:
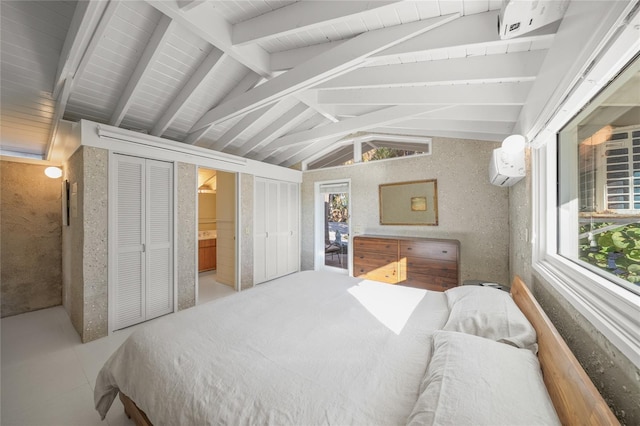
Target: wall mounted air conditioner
point(506, 168)
point(519, 17)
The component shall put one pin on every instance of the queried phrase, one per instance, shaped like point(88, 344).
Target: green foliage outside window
point(338, 208)
point(616, 250)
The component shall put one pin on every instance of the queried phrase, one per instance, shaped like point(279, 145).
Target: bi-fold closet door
point(276, 229)
point(142, 281)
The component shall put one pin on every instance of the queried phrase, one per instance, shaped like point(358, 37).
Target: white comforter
point(310, 348)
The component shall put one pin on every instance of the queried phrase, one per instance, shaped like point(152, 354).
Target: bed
point(321, 348)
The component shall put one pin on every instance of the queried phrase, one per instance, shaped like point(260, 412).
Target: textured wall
point(85, 243)
point(615, 376)
point(94, 188)
point(187, 243)
point(31, 238)
point(520, 229)
point(73, 242)
point(469, 208)
point(246, 230)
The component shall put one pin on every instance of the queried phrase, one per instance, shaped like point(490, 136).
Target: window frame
point(613, 310)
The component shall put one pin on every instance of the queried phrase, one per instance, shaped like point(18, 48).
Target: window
point(583, 181)
point(599, 180)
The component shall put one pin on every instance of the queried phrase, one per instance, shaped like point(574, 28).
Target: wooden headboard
point(576, 399)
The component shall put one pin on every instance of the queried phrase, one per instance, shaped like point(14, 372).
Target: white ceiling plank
point(287, 59)
point(83, 25)
point(302, 16)
point(247, 83)
point(508, 113)
point(459, 94)
point(203, 71)
point(148, 58)
point(246, 124)
point(469, 30)
point(334, 130)
point(277, 128)
point(496, 68)
point(318, 69)
point(205, 22)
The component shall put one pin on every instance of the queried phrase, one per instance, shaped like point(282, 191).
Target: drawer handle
point(444, 251)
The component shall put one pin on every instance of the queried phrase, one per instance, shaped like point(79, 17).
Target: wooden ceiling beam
point(342, 128)
point(205, 22)
point(199, 76)
point(277, 128)
point(83, 25)
point(247, 82)
point(249, 122)
point(302, 16)
point(149, 56)
point(468, 31)
point(464, 94)
point(327, 65)
point(519, 66)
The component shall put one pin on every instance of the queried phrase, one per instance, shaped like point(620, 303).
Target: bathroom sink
point(207, 235)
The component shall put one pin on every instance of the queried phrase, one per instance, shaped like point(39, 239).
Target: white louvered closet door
point(293, 213)
point(130, 237)
point(144, 239)
point(159, 226)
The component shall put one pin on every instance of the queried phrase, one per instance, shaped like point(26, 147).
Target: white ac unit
point(506, 168)
point(519, 17)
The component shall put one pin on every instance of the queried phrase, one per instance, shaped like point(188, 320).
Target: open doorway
point(332, 226)
point(216, 234)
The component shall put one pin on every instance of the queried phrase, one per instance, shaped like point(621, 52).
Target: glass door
point(332, 226)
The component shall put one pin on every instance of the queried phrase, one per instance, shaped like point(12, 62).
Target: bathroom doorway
point(216, 234)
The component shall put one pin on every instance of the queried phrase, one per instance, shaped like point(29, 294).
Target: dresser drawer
point(428, 282)
point(376, 245)
point(440, 250)
point(376, 266)
point(437, 268)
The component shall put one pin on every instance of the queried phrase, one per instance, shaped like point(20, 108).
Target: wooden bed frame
point(575, 398)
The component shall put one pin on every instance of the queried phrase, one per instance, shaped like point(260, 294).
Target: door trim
point(318, 230)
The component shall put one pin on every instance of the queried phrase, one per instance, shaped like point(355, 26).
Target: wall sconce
point(53, 172)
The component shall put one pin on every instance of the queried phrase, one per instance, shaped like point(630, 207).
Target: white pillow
point(475, 381)
point(489, 313)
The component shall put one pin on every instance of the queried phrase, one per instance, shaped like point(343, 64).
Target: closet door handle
point(144, 248)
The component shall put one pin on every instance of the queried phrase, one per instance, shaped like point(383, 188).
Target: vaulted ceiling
point(276, 81)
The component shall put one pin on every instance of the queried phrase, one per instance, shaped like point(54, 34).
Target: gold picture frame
point(409, 203)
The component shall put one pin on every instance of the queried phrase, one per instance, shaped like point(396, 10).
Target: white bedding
point(309, 348)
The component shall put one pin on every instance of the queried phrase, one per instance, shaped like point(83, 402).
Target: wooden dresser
point(428, 263)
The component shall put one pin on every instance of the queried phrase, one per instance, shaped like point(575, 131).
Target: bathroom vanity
point(206, 250)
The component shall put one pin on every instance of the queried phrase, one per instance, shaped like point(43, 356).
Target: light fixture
point(513, 144)
point(205, 189)
point(53, 172)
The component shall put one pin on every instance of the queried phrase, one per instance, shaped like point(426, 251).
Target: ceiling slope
point(276, 81)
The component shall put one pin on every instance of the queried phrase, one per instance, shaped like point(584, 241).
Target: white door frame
point(318, 230)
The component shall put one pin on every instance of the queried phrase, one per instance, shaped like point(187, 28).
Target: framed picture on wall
point(409, 203)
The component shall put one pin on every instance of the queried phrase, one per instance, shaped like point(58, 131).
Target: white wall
point(469, 208)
